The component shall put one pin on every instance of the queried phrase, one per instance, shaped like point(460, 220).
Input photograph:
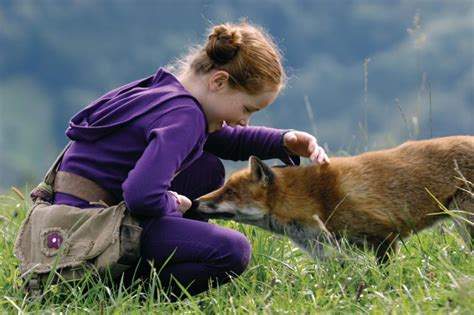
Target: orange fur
point(376, 196)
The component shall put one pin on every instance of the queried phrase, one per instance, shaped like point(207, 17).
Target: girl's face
point(224, 104)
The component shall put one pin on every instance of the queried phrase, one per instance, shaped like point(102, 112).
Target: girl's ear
point(218, 80)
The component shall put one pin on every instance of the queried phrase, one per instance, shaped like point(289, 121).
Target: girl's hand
point(303, 144)
point(184, 203)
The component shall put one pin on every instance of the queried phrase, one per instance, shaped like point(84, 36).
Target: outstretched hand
point(184, 203)
point(303, 144)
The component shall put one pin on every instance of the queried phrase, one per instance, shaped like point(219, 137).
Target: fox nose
point(194, 205)
point(193, 213)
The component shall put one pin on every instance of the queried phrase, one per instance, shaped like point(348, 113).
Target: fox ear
point(260, 171)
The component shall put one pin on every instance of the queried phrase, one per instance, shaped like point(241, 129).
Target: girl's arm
point(240, 143)
point(172, 141)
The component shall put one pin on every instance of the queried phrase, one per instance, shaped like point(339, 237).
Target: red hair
point(246, 52)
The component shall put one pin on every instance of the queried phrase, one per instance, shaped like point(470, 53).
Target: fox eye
point(229, 192)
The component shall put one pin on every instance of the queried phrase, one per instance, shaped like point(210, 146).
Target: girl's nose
point(243, 122)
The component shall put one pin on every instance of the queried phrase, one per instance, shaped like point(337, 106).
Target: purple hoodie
point(134, 139)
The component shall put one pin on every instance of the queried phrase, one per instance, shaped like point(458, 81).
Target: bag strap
point(81, 187)
point(68, 183)
point(44, 190)
point(51, 174)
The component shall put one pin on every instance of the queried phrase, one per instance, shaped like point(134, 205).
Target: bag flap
point(59, 236)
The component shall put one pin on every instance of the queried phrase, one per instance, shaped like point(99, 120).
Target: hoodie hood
point(118, 107)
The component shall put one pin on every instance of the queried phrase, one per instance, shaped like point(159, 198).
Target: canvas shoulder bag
point(62, 241)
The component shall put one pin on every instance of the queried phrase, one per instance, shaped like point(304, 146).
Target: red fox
point(372, 198)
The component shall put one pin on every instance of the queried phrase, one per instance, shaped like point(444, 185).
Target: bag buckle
point(34, 286)
point(43, 191)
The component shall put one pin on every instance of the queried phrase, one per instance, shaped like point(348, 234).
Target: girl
point(155, 143)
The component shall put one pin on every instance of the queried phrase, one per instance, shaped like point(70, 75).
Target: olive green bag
point(61, 241)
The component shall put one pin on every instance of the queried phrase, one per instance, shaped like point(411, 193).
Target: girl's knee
point(237, 253)
point(203, 176)
point(216, 170)
point(242, 256)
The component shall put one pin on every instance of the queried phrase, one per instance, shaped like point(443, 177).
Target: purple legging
point(198, 253)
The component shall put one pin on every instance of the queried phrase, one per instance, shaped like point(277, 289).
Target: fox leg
point(384, 248)
point(464, 201)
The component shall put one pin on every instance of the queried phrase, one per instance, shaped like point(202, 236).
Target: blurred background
point(363, 74)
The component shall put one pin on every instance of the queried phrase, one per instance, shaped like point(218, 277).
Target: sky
point(363, 75)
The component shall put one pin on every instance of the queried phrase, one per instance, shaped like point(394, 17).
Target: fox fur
point(371, 199)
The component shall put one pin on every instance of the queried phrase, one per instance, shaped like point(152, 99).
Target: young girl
point(155, 143)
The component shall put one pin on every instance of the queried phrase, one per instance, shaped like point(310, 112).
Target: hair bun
point(223, 44)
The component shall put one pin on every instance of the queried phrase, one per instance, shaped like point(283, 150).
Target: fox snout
point(209, 210)
point(239, 198)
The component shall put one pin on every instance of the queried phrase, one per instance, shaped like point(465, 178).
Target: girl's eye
point(229, 192)
point(246, 110)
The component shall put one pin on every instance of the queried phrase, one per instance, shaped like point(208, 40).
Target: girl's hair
point(243, 50)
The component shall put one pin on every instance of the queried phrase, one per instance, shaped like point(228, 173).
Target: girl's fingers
point(312, 147)
point(319, 156)
point(314, 156)
point(185, 203)
point(326, 159)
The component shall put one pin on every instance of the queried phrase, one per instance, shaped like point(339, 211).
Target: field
point(433, 273)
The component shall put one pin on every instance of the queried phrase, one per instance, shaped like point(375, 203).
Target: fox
point(373, 199)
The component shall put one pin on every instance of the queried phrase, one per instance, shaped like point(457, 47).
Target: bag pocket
point(130, 242)
point(123, 253)
point(60, 237)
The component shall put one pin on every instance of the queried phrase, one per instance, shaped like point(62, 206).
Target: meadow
point(432, 273)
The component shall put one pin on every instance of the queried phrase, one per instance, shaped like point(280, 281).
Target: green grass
point(432, 274)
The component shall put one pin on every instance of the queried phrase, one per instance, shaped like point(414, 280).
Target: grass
point(432, 273)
